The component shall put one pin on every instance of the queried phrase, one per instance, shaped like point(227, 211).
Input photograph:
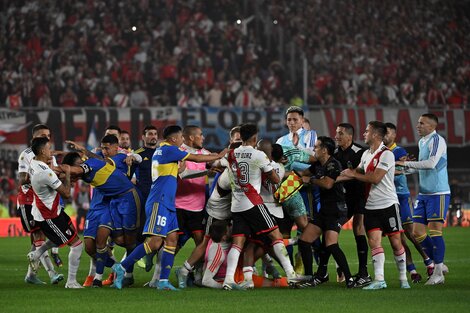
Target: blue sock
point(101, 259)
point(439, 249)
point(428, 247)
point(411, 267)
point(130, 269)
point(168, 257)
point(138, 253)
point(428, 261)
point(110, 262)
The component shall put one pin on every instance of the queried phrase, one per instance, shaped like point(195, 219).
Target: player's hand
point(129, 160)
point(306, 179)
point(222, 153)
point(348, 173)
point(74, 146)
point(181, 166)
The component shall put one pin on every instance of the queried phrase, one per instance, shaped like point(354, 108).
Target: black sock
point(305, 250)
point(340, 259)
point(362, 253)
point(324, 256)
point(290, 252)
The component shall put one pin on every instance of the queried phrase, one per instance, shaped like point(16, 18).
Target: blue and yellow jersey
point(164, 173)
point(400, 180)
point(107, 179)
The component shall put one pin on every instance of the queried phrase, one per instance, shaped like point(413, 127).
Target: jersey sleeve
point(23, 163)
point(175, 154)
point(51, 179)
point(264, 162)
point(386, 160)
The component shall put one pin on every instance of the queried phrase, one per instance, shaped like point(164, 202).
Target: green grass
point(454, 296)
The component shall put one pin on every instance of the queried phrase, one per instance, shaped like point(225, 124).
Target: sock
point(128, 275)
point(139, 252)
point(340, 259)
point(47, 263)
point(101, 258)
point(30, 272)
point(362, 253)
point(248, 273)
point(439, 246)
point(281, 253)
point(74, 260)
point(400, 260)
point(128, 252)
point(316, 245)
point(428, 262)
point(158, 266)
point(411, 268)
point(98, 276)
point(438, 269)
point(324, 256)
point(378, 259)
point(427, 245)
point(186, 268)
point(168, 257)
point(55, 250)
point(232, 261)
point(290, 252)
point(92, 270)
point(305, 250)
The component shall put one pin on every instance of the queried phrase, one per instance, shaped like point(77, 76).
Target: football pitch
point(453, 296)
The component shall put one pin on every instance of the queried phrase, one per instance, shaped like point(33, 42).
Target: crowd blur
point(138, 53)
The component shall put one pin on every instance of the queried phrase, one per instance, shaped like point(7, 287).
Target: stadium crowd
point(233, 53)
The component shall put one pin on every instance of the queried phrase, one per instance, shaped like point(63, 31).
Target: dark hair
point(431, 117)
point(170, 130)
point(391, 126)
point(111, 139)
point(217, 230)
point(234, 130)
point(379, 128)
point(149, 127)
point(348, 127)
point(114, 127)
point(235, 145)
point(39, 127)
point(70, 158)
point(247, 131)
point(189, 130)
point(277, 153)
point(295, 109)
point(328, 143)
point(37, 144)
point(124, 132)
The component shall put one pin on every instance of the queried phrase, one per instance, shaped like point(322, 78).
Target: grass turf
point(453, 296)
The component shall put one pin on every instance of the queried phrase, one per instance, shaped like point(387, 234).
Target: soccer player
point(25, 201)
point(434, 193)
point(404, 198)
point(250, 215)
point(125, 140)
point(332, 213)
point(382, 216)
point(349, 154)
point(48, 212)
point(161, 226)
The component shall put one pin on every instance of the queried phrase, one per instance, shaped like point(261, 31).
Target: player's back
point(105, 177)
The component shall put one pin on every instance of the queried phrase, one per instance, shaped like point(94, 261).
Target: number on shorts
point(161, 220)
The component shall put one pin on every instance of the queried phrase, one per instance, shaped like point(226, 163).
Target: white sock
point(47, 263)
point(158, 267)
point(186, 268)
point(400, 260)
point(232, 262)
point(74, 261)
point(30, 272)
point(92, 270)
point(248, 273)
point(438, 268)
point(55, 250)
point(283, 257)
point(378, 259)
point(128, 275)
point(98, 276)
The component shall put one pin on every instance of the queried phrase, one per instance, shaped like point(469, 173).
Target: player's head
point(391, 134)
point(427, 123)
point(193, 136)
point(277, 153)
point(173, 134)
point(109, 146)
point(113, 130)
point(249, 133)
point(375, 132)
point(324, 147)
point(235, 134)
point(294, 118)
point(41, 130)
point(125, 140)
point(150, 136)
point(72, 159)
point(218, 230)
point(265, 146)
point(41, 148)
point(344, 135)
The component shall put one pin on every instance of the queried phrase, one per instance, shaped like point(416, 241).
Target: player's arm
point(437, 149)
point(75, 146)
point(325, 182)
point(64, 188)
point(386, 161)
point(23, 178)
point(272, 177)
point(200, 158)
